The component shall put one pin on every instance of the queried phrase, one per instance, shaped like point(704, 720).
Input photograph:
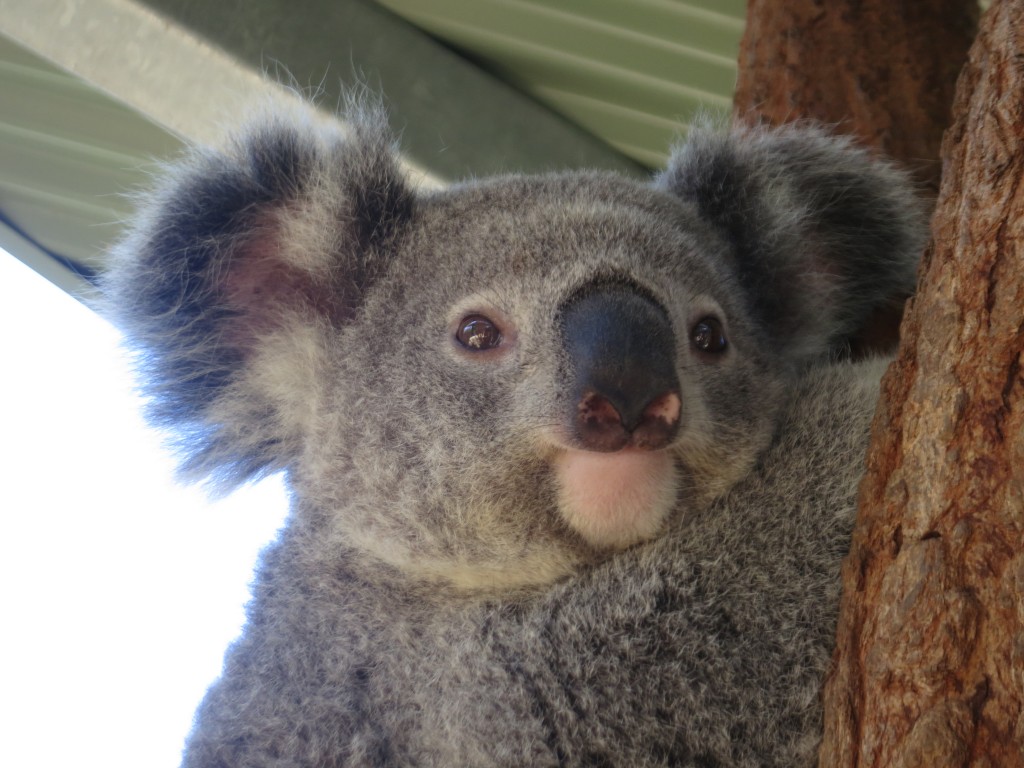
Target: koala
point(573, 457)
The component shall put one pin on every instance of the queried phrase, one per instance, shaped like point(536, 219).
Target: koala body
point(573, 459)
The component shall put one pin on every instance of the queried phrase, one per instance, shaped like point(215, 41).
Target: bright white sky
point(119, 590)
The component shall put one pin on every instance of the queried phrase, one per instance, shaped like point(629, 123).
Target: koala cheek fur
point(573, 458)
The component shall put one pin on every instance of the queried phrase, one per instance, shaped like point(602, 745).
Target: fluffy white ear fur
point(239, 257)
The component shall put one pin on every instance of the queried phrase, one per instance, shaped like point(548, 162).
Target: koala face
point(546, 370)
point(492, 384)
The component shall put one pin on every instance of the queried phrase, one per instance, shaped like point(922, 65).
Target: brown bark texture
point(881, 70)
point(929, 665)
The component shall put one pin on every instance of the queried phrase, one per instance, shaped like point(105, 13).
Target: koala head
point(491, 384)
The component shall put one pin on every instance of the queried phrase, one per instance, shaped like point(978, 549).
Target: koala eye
point(707, 335)
point(478, 333)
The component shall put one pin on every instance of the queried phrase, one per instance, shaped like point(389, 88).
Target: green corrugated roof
point(632, 72)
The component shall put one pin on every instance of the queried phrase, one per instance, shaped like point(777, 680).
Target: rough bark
point(929, 666)
point(881, 70)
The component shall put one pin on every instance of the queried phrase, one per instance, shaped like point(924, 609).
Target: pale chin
point(615, 500)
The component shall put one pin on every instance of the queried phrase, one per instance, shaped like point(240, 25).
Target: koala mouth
point(616, 499)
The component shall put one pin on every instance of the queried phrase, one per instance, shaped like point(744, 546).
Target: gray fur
point(432, 600)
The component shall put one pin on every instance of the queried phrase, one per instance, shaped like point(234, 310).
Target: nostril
point(658, 423)
point(597, 410)
point(599, 424)
point(600, 427)
point(665, 407)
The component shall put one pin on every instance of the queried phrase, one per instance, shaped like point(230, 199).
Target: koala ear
point(823, 235)
point(236, 266)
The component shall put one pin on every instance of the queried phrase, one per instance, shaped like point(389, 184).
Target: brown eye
point(708, 336)
point(476, 332)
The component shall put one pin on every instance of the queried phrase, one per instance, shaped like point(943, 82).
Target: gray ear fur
point(822, 233)
point(289, 220)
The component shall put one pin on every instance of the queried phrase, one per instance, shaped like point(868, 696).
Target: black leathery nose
point(621, 369)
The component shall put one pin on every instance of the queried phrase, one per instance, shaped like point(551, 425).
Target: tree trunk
point(881, 70)
point(929, 667)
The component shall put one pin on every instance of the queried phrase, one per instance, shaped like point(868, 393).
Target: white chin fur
point(615, 499)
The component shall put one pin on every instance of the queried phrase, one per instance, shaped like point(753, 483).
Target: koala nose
point(621, 369)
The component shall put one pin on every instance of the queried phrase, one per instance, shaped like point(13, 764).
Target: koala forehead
point(548, 235)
